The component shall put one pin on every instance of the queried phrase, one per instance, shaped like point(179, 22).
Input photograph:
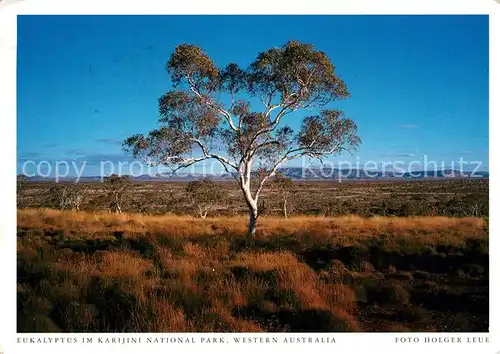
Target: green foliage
point(197, 123)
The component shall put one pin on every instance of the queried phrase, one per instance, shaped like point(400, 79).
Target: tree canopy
point(210, 113)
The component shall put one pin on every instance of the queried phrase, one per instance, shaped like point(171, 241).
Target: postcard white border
point(345, 342)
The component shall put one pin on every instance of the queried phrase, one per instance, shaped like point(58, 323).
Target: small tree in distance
point(284, 186)
point(211, 114)
point(205, 194)
point(21, 181)
point(117, 188)
point(66, 196)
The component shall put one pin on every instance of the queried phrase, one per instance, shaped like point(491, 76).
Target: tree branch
point(211, 104)
point(222, 159)
point(285, 106)
point(263, 145)
point(299, 152)
point(272, 172)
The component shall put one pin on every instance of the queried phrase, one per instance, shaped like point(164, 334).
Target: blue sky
point(419, 84)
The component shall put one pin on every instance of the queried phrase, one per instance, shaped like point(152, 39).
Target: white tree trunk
point(252, 222)
point(203, 211)
point(252, 207)
point(117, 205)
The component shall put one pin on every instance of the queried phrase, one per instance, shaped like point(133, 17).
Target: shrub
point(204, 194)
point(339, 296)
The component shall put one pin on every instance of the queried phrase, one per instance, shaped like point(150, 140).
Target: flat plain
point(356, 256)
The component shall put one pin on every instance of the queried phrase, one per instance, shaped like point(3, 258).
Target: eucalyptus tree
point(117, 187)
point(205, 194)
point(240, 116)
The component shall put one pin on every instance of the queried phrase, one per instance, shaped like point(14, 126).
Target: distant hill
point(353, 174)
point(299, 173)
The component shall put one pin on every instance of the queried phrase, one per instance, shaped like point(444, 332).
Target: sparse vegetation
point(318, 198)
point(21, 183)
point(117, 187)
point(284, 186)
point(65, 196)
point(82, 272)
